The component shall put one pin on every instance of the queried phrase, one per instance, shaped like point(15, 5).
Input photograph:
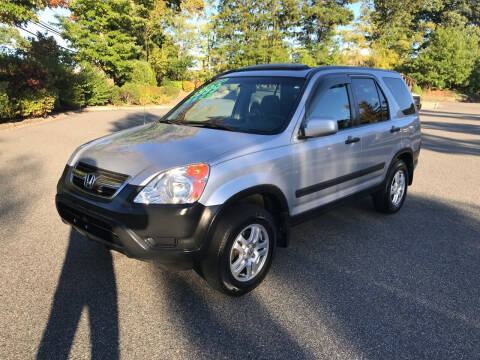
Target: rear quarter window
point(401, 94)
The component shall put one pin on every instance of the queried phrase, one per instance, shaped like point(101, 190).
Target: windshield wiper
point(209, 125)
point(176, 122)
point(203, 124)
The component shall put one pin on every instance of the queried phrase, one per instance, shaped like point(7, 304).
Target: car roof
point(295, 70)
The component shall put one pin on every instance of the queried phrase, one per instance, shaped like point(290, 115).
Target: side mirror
point(316, 127)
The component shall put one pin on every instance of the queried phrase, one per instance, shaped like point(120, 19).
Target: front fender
point(218, 195)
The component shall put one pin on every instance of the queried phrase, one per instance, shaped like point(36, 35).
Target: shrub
point(115, 95)
point(188, 86)
point(474, 80)
point(143, 74)
point(5, 112)
point(167, 94)
point(130, 93)
point(70, 92)
point(174, 83)
point(38, 103)
point(95, 85)
point(171, 92)
point(417, 90)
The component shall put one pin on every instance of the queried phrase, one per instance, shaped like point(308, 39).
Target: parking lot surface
point(353, 283)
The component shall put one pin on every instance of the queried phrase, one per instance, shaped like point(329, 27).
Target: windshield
point(247, 104)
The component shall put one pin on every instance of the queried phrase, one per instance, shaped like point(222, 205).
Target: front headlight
point(180, 185)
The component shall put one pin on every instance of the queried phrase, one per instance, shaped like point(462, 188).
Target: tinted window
point(333, 104)
point(366, 95)
point(247, 104)
point(401, 93)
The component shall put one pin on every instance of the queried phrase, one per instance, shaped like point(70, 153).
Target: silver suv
point(216, 184)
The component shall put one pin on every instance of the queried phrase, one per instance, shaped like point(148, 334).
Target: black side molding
point(326, 184)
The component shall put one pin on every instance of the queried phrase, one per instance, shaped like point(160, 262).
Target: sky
point(48, 16)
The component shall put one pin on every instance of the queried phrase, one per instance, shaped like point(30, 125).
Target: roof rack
point(266, 67)
point(294, 67)
point(274, 67)
point(342, 67)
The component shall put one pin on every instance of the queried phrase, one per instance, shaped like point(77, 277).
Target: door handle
point(351, 139)
point(394, 129)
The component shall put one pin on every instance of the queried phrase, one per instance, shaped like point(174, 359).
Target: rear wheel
point(391, 198)
point(240, 251)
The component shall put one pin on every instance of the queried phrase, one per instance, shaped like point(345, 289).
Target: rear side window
point(401, 93)
point(369, 105)
point(333, 104)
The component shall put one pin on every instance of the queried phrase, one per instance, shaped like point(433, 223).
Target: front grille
point(97, 181)
point(91, 225)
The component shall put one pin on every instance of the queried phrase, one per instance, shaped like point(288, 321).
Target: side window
point(366, 95)
point(383, 104)
point(401, 93)
point(333, 104)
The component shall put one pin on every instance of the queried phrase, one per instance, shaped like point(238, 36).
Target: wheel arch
point(406, 155)
point(269, 197)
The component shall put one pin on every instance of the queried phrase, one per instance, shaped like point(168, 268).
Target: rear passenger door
point(379, 136)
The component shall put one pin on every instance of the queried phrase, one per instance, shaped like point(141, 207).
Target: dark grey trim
point(326, 184)
point(274, 67)
point(312, 213)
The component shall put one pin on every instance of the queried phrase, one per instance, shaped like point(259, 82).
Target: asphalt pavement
point(354, 284)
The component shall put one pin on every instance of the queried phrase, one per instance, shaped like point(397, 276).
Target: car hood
point(145, 150)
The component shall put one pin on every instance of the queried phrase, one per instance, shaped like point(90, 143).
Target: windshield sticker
point(207, 91)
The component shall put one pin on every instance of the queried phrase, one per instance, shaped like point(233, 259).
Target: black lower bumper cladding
point(169, 234)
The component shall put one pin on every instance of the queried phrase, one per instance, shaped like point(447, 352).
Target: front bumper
point(173, 235)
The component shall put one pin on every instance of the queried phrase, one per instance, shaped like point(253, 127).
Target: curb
point(132, 108)
point(429, 105)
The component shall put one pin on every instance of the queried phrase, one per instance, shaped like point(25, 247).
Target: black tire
point(382, 199)
point(215, 267)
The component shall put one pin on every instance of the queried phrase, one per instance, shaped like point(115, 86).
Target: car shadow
point(452, 127)
point(87, 282)
point(449, 145)
point(222, 327)
point(403, 286)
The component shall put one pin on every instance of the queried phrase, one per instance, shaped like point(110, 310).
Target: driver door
point(323, 164)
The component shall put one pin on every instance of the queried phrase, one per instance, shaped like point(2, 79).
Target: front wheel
point(391, 198)
point(241, 250)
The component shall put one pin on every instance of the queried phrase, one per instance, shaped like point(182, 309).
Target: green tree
point(448, 59)
point(11, 40)
point(112, 33)
point(318, 21)
point(20, 11)
point(169, 63)
point(172, 57)
point(393, 30)
point(398, 30)
point(103, 34)
point(249, 32)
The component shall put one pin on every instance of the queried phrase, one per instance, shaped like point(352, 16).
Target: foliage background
point(147, 51)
